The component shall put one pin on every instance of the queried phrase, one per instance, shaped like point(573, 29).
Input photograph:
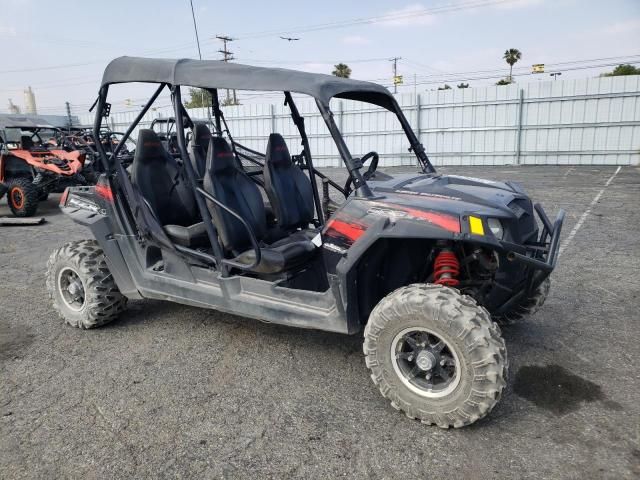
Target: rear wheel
point(81, 287)
point(436, 355)
point(22, 196)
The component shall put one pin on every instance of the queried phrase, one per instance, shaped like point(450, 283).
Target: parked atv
point(31, 167)
point(423, 262)
point(83, 140)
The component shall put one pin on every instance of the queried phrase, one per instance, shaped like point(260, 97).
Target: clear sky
point(435, 38)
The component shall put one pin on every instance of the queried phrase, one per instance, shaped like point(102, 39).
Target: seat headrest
point(201, 135)
point(149, 146)
point(219, 155)
point(277, 151)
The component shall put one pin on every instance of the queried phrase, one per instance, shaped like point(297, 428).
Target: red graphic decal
point(443, 221)
point(350, 230)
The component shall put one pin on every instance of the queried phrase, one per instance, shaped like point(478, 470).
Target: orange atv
point(31, 167)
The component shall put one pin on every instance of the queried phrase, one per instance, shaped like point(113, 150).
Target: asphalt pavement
point(169, 391)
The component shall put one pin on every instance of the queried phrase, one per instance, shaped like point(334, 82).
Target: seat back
point(233, 188)
point(288, 188)
point(26, 142)
point(198, 147)
point(161, 182)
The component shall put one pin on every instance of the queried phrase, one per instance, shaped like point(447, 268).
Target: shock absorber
point(446, 268)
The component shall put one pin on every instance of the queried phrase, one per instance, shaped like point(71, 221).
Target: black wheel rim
point(426, 363)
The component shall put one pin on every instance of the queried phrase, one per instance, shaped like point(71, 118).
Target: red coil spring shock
point(446, 268)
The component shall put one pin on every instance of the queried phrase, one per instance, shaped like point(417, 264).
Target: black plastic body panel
point(425, 207)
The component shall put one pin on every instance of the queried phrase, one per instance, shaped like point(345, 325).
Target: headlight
point(496, 227)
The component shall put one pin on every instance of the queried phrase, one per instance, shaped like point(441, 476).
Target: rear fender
point(85, 207)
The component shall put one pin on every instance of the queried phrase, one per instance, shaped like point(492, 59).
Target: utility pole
point(69, 122)
point(395, 72)
point(226, 57)
point(555, 75)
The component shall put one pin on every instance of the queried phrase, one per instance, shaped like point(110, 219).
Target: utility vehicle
point(82, 139)
point(419, 262)
point(32, 166)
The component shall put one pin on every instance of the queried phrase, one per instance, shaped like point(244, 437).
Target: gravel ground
point(173, 391)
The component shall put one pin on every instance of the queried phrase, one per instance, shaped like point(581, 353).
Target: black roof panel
point(218, 74)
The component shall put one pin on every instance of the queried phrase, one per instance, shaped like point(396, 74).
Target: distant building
point(30, 102)
point(13, 108)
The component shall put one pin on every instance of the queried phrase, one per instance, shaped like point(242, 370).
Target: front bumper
point(540, 256)
point(543, 255)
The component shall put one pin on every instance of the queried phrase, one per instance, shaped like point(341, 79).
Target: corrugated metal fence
point(579, 122)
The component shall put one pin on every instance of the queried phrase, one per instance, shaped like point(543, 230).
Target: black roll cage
point(118, 178)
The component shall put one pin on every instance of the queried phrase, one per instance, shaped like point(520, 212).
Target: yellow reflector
point(475, 225)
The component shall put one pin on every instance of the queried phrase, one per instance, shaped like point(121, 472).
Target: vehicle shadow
point(153, 312)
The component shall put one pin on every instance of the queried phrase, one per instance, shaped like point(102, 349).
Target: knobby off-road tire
point(22, 196)
point(81, 266)
point(528, 306)
point(471, 337)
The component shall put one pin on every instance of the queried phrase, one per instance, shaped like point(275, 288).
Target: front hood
point(452, 193)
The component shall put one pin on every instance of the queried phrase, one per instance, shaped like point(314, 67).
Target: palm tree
point(511, 56)
point(342, 70)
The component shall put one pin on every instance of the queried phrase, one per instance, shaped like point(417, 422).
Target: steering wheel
point(366, 175)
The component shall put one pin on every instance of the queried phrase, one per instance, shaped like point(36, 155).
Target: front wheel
point(436, 355)
point(81, 287)
point(527, 306)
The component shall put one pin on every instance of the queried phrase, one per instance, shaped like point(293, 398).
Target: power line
point(490, 77)
point(297, 62)
point(525, 69)
point(452, 7)
point(195, 28)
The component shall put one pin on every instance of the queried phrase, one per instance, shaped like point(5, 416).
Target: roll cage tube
point(416, 146)
point(215, 106)
point(97, 124)
point(212, 232)
point(361, 187)
point(204, 211)
point(123, 184)
point(298, 120)
point(126, 135)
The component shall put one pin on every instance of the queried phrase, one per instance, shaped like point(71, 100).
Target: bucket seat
point(162, 184)
point(233, 188)
point(288, 188)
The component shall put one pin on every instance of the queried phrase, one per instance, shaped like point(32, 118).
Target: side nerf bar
point(554, 244)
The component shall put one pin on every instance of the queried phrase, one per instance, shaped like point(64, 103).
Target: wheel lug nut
point(428, 376)
point(442, 362)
